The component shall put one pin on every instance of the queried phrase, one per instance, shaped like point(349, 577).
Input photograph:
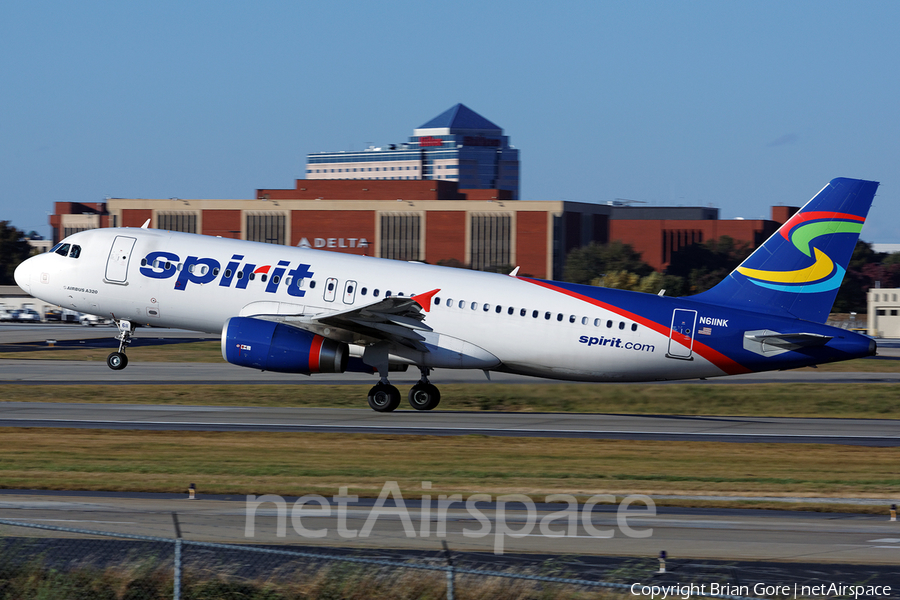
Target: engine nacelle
point(271, 346)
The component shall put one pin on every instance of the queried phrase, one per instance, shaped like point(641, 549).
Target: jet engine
point(271, 346)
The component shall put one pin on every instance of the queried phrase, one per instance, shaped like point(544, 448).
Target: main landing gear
point(384, 397)
point(118, 360)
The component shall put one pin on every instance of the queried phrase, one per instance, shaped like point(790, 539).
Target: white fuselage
point(494, 322)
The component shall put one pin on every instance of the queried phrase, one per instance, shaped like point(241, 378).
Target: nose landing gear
point(118, 360)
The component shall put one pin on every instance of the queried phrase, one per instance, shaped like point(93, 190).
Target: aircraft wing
point(395, 319)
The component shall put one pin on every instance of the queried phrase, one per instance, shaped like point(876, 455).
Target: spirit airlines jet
point(306, 311)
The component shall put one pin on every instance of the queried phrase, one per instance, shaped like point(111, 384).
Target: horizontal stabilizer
point(791, 340)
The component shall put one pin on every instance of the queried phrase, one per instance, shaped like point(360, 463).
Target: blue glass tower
point(458, 145)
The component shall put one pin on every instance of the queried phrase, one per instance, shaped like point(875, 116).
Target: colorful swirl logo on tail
point(801, 229)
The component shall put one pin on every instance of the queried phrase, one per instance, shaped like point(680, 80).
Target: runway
point(858, 432)
point(36, 372)
point(683, 533)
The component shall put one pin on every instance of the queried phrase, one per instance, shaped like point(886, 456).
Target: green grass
point(864, 400)
point(301, 463)
point(191, 352)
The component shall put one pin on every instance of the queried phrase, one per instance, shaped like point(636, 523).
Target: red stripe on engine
point(315, 353)
point(728, 365)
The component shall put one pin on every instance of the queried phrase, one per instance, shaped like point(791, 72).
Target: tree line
point(699, 267)
point(14, 248)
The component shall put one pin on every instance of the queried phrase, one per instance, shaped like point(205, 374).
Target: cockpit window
point(54, 248)
point(63, 250)
point(75, 252)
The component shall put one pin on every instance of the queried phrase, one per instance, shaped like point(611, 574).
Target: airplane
point(305, 311)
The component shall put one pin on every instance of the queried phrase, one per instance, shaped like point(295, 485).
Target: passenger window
point(252, 276)
point(437, 301)
point(331, 287)
point(312, 283)
point(534, 314)
point(522, 312)
point(387, 294)
point(275, 279)
point(349, 288)
point(499, 309)
point(510, 310)
point(240, 274)
point(559, 317)
point(571, 318)
point(462, 303)
point(216, 272)
point(487, 307)
point(375, 293)
point(547, 316)
point(596, 322)
point(634, 326)
point(474, 305)
point(364, 291)
point(449, 302)
point(621, 324)
point(143, 262)
point(228, 274)
point(609, 324)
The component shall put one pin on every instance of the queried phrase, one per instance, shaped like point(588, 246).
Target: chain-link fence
point(49, 562)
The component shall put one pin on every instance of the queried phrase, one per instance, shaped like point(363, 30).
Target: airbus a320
point(299, 310)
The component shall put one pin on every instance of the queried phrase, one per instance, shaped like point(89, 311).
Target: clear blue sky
point(741, 105)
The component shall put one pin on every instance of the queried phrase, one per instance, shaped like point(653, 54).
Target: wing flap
point(395, 319)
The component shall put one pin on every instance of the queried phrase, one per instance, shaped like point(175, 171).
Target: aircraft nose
point(23, 275)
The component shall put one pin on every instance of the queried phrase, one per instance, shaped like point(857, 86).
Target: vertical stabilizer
point(799, 269)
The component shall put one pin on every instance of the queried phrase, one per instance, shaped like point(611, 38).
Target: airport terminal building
point(449, 195)
point(430, 221)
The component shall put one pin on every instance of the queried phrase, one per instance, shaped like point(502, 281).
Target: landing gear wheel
point(383, 397)
point(117, 361)
point(424, 396)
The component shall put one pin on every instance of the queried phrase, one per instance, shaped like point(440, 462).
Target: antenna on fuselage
point(146, 224)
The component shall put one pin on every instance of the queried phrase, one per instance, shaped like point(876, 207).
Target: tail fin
point(799, 269)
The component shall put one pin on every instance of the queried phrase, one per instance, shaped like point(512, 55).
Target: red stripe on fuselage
point(315, 353)
point(728, 365)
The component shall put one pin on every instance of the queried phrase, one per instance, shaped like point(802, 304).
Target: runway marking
point(886, 541)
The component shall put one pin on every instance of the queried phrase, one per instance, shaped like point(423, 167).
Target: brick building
point(425, 220)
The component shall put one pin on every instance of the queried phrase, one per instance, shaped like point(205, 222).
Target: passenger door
point(681, 334)
point(119, 258)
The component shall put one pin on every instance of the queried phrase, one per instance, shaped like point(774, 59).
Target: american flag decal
point(705, 331)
